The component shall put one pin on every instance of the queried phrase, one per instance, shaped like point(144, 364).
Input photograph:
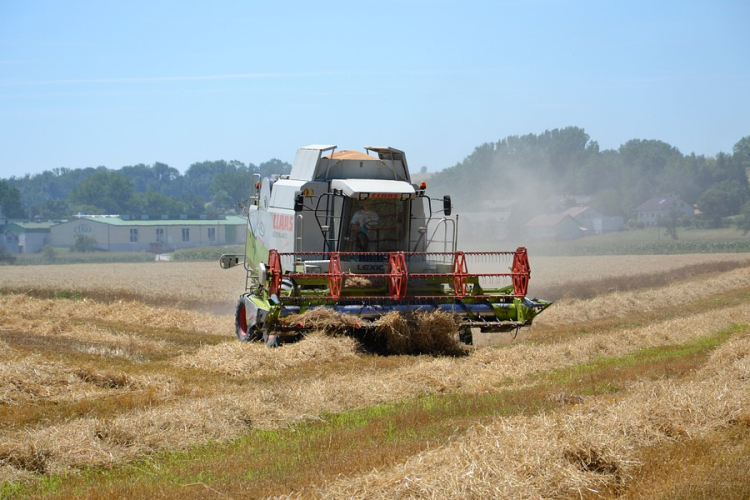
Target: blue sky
point(115, 83)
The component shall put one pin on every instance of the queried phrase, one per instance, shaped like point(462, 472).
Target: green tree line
point(527, 169)
point(531, 168)
point(206, 187)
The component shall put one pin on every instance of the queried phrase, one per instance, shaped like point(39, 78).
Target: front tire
point(242, 330)
point(270, 339)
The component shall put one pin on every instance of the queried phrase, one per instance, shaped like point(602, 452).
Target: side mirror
point(447, 204)
point(228, 261)
point(299, 203)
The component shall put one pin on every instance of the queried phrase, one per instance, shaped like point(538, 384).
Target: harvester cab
point(349, 231)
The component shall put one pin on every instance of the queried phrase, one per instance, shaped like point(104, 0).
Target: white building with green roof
point(26, 237)
point(122, 233)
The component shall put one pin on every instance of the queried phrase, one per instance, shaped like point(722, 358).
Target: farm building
point(593, 221)
point(585, 216)
point(553, 226)
point(116, 233)
point(651, 211)
point(608, 225)
point(25, 237)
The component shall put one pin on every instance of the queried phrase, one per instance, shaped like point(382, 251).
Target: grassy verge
point(206, 253)
point(275, 462)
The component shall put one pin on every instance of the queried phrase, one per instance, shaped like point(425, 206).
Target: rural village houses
point(574, 222)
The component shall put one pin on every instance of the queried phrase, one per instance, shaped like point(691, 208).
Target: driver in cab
point(363, 222)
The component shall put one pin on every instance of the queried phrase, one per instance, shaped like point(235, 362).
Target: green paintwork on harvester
point(255, 251)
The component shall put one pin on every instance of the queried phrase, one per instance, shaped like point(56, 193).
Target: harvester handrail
point(443, 221)
point(298, 230)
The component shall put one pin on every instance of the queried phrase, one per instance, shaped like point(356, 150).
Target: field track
point(101, 365)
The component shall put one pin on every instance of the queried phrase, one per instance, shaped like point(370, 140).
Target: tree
point(274, 166)
point(743, 223)
point(648, 157)
point(669, 223)
point(200, 176)
point(191, 204)
point(105, 189)
point(54, 184)
point(460, 179)
point(231, 189)
point(608, 202)
point(722, 200)
point(10, 201)
point(687, 177)
point(48, 253)
point(725, 167)
point(153, 203)
point(51, 209)
point(140, 176)
point(83, 243)
point(159, 177)
point(742, 152)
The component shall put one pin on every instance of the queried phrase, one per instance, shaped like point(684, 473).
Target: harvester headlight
point(262, 273)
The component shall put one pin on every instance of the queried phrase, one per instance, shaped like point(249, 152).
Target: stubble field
point(125, 380)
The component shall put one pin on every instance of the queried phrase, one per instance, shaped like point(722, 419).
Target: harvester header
point(349, 231)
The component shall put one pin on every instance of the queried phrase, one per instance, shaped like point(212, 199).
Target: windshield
point(375, 225)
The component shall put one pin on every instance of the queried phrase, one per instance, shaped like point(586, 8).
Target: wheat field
point(204, 285)
point(139, 359)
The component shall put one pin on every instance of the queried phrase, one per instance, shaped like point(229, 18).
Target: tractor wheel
point(270, 339)
point(244, 333)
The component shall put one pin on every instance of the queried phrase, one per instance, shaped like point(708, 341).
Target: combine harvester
point(348, 231)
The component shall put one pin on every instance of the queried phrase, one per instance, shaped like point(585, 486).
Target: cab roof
point(310, 164)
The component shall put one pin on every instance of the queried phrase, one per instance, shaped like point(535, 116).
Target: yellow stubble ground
point(202, 385)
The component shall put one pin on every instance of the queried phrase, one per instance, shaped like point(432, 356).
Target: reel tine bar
point(521, 272)
point(335, 275)
point(460, 274)
point(397, 274)
point(274, 265)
